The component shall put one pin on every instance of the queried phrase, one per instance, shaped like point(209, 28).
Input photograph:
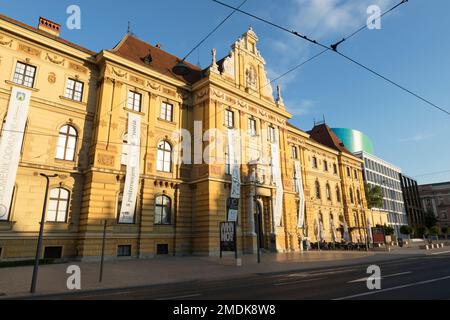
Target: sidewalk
point(162, 270)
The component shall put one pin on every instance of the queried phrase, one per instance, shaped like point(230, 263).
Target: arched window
point(164, 163)
point(352, 199)
point(318, 193)
point(338, 194)
point(58, 205)
point(328, 192)
point(163, 214)
point(67, 143)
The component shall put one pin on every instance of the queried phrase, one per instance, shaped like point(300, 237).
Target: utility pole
point(41, 234)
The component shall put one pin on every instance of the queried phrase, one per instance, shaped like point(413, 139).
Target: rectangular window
point(162, 249)
point(229, 119)
point(272, 135)
point(74, 90)
point(325, 166)
point(294, 152)
point(52, 253)
point(335, 169)
point(124, 251)
point(166, 112)
point(314, 163)
point(134, 101)
point(252, 127)
point(24, 74)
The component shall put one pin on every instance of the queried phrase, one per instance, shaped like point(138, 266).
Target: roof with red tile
point(324, 135)
point(135, 50)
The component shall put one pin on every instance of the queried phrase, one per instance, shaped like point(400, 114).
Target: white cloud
point(301, 107)
point(417, 138)
point(330, 18)
point(324, 20)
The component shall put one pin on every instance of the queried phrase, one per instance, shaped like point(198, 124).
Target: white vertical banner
point(130, 191)
point(301, 193)
point(276, 173)
point(234, 150)
point(10, 146)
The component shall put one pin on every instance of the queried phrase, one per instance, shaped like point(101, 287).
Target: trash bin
point(401, 243)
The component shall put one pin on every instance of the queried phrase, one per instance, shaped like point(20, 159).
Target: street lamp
point(41, 233)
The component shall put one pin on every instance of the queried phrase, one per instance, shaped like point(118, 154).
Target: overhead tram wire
point(188, 55)
point(215, 29)
point(326, 49)
point(295, 33)
point(181, 69)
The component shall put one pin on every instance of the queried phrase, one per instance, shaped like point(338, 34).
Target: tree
point(435, 231)
point(374, 196)
point(430, 220)
point(421, 231)
point(388, 231)
point(406, 230)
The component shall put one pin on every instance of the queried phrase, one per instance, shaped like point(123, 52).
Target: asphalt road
point(421, 278)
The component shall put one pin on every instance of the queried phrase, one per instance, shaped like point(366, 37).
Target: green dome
point(355, 140)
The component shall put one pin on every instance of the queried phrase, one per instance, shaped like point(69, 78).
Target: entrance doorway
point(259, 225)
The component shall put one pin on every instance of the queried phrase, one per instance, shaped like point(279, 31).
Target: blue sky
point(409, 49)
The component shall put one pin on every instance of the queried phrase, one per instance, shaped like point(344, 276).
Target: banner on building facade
point(276, 175)
point(234, 159)
point(301, 193)
point(130, 191)
point(10, 146)
point(233, 210)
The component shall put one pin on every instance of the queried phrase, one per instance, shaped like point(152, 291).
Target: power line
point(334, 49)
point(214, 30)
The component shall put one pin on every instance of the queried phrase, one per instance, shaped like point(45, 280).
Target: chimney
point(49, 26)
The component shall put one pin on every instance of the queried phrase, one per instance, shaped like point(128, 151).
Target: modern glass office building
point(378, 172)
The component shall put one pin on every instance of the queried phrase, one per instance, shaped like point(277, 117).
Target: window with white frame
point(294, 152)
point(24, 74)
point(74, 90)
point(164, 163)
point(252, 127)
point(58, 205)
point(229, 119)
point(67, 142)
point(166, 112)
point(163, 209)
point(272, 135)
point(134, 101)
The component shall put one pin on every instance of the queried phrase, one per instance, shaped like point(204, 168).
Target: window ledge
point(167, 121)
point(74, 101)
point(7, 225)
point(56, 226)
point(21, 86)
point(133, 111)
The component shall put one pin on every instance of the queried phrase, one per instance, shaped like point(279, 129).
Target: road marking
point(393, 289)
point(384, 277)
point(439, 253)
point(323, 273)
point(296, 282)
point(180, 297)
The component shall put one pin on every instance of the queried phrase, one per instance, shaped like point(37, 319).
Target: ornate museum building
point(107, 127)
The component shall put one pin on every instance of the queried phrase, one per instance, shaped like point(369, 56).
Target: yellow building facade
point(78, 129)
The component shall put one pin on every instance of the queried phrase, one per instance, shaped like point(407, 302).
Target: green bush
point(435, 231)
point(406, 230)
